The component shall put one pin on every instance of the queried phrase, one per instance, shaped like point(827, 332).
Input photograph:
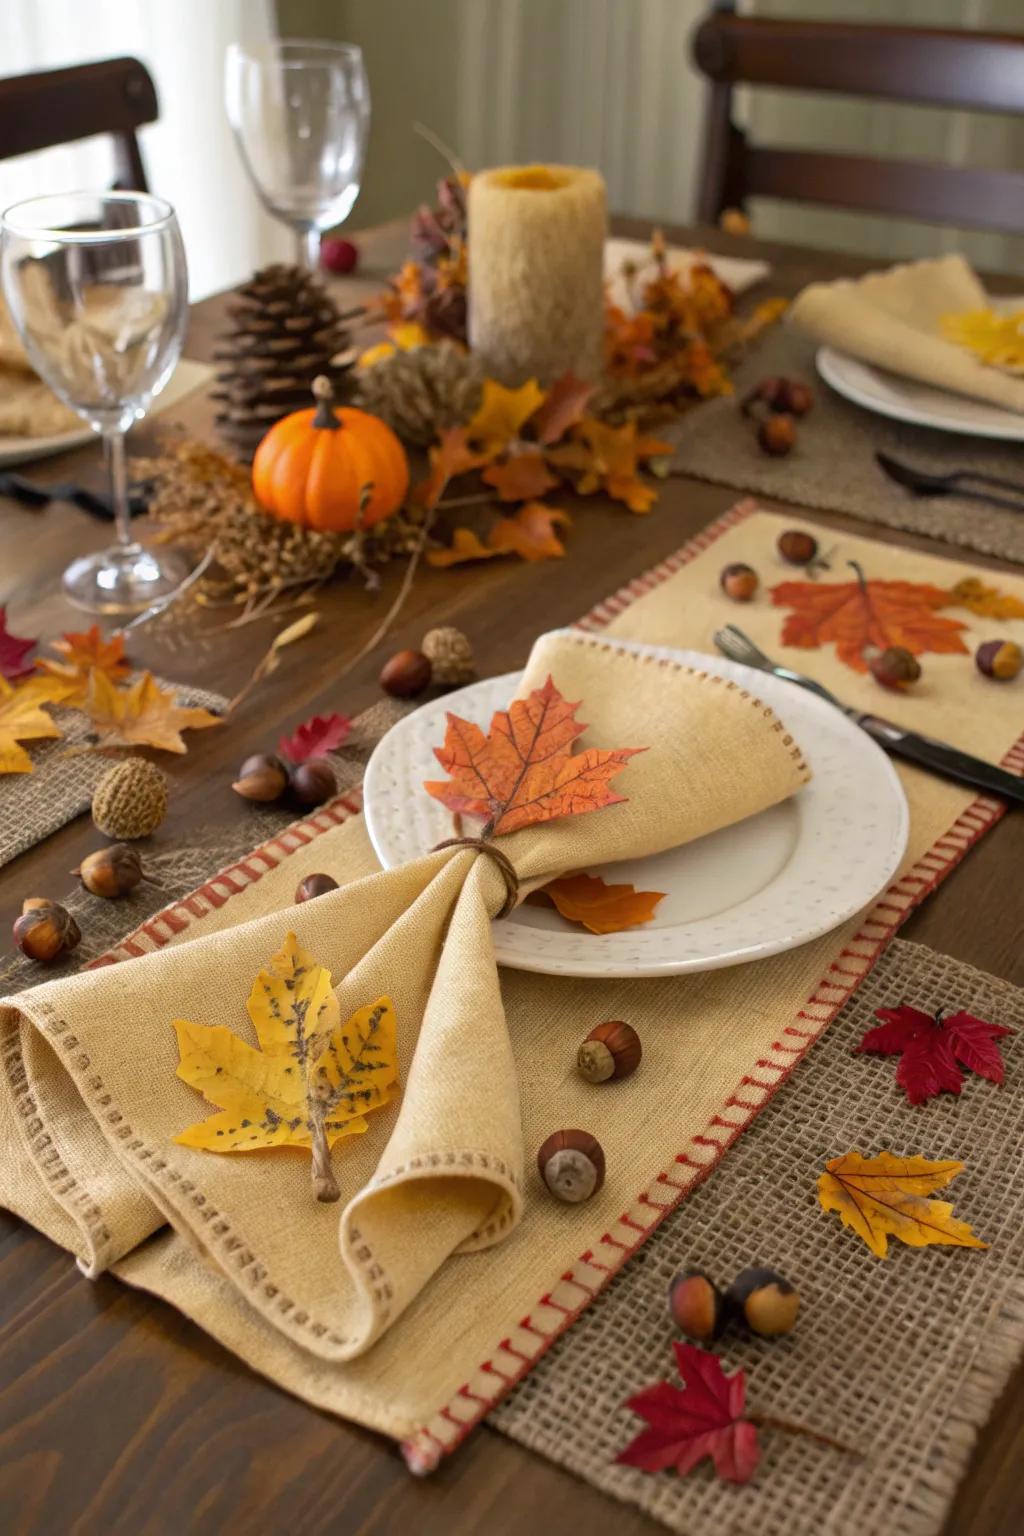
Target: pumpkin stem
point(323, 394)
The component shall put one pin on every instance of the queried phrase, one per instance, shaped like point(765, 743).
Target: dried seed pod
point(406, 674)
point(611, 1050)
point(765, 1301)
point(313, 886)
point(45, 930)
point(739, 582)
point(131, 799)
point(895, 667)
point(262, 777)
point(777, 435)
point(450, 655)
point(571, 1163)
point(1001, 659)
point(796, 546)
point(313, 782)
point(696, 1305)
point(111, 872)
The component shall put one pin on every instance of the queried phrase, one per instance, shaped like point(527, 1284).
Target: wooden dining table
point(117, 1414)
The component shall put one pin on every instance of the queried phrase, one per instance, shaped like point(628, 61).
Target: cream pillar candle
point(536, 248)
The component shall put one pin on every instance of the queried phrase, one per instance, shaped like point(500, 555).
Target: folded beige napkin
point(894, 320)
point(90, 1103)
point(28, 407)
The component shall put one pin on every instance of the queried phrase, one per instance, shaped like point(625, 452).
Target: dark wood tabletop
point(119, 1415)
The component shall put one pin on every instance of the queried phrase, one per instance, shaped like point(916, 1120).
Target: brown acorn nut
point(795, 397)
point(111, 872)
point(765, 1301)
point(696, 1305)
point(262, 777)
point(999, 659)
point(739, 582)
point(45, 930)
point(406, 674)
point(313, 782)
point(895, 667)
point(777, 435)
point(571, 1163)
point(796, 546)
point(611, 1050)
point(313, 886)
point(765, 395)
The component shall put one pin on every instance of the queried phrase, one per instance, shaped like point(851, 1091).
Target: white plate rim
point(774, 692)
point(834, 366)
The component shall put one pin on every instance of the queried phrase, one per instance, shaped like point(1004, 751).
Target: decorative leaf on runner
point(932, 1049)
point(704, 1417)
point(608, 458)
point(23, 718)
point(522, 771)
point(529, 532)
point(884, 1196)
point(143, 715)
point(986, 602)
point(522, 477)
point(599, 907)
point(315, 737)
point(82, 653)
point(312, 1080)
point(881, 614)
point(450, 457)
point(13, 651)
point(501, 414)
point(566, 401)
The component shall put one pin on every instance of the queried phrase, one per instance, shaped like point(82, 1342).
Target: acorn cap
point(130, 799)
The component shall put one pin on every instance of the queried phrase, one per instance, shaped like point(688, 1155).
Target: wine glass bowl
point(300, 112)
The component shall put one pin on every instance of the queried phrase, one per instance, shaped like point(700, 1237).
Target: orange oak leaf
point(450, 456)
point(523, 772)
point(566, 401)
point(144, 715)
point(601, 908)
point(609, 459)
point(84, 652)
point(529, 533)
point(987, 602)
point(880, 614)
point(523, 477)
point(501, 414)
point(464, 547)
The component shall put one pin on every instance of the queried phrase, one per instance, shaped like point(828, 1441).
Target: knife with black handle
point(939, 757)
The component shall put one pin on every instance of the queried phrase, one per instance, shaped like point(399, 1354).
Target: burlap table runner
point(904, 1359)
point(833, 465)
point(716, 1046)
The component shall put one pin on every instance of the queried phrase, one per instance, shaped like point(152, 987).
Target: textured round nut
point(611, 1050)
point(406, 674)
point(450, 655)
point(130, 800)
point(313, 886)
point(571, 1163)
point(45, 931)
point(765, 1301)
point(313, 782)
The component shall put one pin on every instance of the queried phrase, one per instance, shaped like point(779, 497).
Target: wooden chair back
point(978, 71)
point(57, 106)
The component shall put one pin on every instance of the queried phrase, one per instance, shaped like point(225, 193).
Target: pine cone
point(419, 393)
point(284, 330)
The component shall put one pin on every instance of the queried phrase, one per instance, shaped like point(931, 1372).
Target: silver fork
point(738, 646)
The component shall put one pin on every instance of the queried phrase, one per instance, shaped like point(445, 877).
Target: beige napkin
point(89, 1102)
point(28, 407)
point(893, 319)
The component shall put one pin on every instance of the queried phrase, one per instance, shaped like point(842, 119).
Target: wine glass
point(97, 287)
point(301, 114)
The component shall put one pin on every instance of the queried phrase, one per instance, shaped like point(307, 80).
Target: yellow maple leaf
point(997, 339)
point(23, 718)
point(987, 602)
point(313, 1079)
point(143, 715)
point(884, 1196)
point(501, 414)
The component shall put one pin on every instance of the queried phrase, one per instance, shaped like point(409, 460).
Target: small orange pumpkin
point(330, 468)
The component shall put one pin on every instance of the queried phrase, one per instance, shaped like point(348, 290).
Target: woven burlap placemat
point(904, 1358)
point(833, 465)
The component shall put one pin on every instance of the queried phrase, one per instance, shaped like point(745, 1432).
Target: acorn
point(611, 1050)
point(130, 799)
point(895, 667)
point(795, 397)
point(697, 1306)
point(777, 435)
point(739, 582)
point(45, 930)
point(1001, 659)
point(111, 872)
point(313, 886)
point(797, 547)
point(262, 777)
point(406, 674)
point(765, 1301)
point(313, 782)
point(571, 1163)
point(767, 394)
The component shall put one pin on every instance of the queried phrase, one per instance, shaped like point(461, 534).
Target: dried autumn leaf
point(599, 907)
point(884, 1196)
point(13, 651)
point(986, 602)
point(882, 614)
point(465, 546)
point(932, 1048)
point(608, 458)
point(144, 715)
point(312, 1080)
point(82, 653)
point(523, 477)
point(992, 335)
point(566, 401)
point(449, 457)
point(501, 414)
point(702, 1418)
point(529, 533)
point(23, 718)
point(315, 737)
point(522, 771)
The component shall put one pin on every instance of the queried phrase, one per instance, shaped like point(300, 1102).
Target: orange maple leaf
point(608, 459)
point(599, 907)
point(82, 653)
point(566, 401)
point(450, 456)
point(522, 771)
point(501, 414)
point(523, 477)
point(987, 602)
point(879, 614)
point(529, 533)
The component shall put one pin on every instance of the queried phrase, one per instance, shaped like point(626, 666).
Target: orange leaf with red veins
point(82, 653)
point(450, 456)
point(884, 613)
point(523, 477)
point(522, 772)
point(501, 414)
point(567, 400)
point(530, 533)
point(600, 908)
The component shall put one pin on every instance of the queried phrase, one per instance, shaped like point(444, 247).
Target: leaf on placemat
point(23, 718)
point(522, 771)
point(599, 907)
point(704, 1417)
point(878, 614)
point(885, 1196)
point(13, 651)
point(82, 653)
point(313, 1079)
point(315, 737)
point(986, 602)
point(566, 401)
point(932, 1049)
point(501, 414)
point(529, 533)
point(143, 715)
point(523, 477)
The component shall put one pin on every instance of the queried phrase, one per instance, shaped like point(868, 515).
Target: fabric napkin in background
point(894, 320)
point(28, 407)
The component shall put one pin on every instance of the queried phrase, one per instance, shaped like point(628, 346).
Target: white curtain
point(189, 153)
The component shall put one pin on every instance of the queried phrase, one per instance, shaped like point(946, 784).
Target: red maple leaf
point(932, 1049)
point(13, 651)
point(702, 1418)
point(315, 737)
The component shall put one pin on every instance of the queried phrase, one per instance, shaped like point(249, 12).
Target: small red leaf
point(702, 1418)
point(13, 651)
point(932, 1049)
point(315, 737)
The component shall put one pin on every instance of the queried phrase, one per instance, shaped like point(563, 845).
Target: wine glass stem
point(114, 443)
point(308, 248)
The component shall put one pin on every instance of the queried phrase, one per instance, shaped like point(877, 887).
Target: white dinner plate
point(887, 394)
point(188, 376)
point(771, 882)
